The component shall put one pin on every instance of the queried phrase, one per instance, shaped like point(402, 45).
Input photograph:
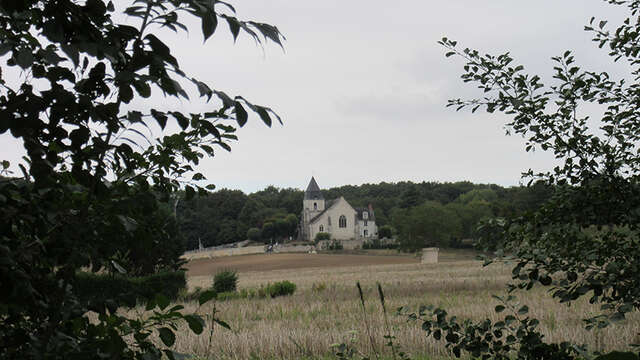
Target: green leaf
point(142, 88)
point(161, 118)
point(151, 304)
point(209, 24)
point(167, 336)
point(24, 58)
point(523, 310)
point(5, 164)
point(222, 323)
point(264, 115)
point(500, 308)
point(241, 114)
point(234, 26)
point(206, 296)
point(162, 301)
point(125, 93)
point(182, 120)
point(196, 324)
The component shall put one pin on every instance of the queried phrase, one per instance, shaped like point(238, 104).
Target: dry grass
point(306, 324)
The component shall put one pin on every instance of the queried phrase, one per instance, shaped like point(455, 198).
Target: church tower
point(312, 205)
point(313, 199)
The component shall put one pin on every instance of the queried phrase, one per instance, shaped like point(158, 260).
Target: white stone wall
point(308, 205)
point(338, 208)
point(372, 229)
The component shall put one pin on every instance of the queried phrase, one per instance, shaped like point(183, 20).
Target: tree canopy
point(95, 173)
point(584, 240)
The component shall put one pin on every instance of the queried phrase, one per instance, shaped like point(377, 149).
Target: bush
point(322, 236)
point(385, 231)
point(225, 281)
point(377, 244)
point(230, 295)
point(129, 290)
point(335, 245)
point(281, 288)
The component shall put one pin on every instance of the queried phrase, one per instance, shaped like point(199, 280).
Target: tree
point(269, 231)
point(585, 239)
point(292, 225)
point(429, 224)
point(385, 232)
point(87, 153)
point(253, 234)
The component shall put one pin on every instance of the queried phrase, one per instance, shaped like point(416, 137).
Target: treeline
point(227, 216)
point(420, 214)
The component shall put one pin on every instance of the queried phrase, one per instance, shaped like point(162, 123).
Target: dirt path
point(267, 262)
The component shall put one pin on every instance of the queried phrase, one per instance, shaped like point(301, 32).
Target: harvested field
point(269, 262)
point(326, 308)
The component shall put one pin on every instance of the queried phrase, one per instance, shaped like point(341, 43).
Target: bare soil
point(268, 262)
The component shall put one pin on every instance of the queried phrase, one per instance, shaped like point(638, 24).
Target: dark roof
point(371, 214)
point(313, 191)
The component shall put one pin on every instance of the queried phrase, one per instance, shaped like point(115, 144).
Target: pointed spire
point(313, 191)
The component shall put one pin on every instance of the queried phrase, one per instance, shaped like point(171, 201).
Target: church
point(336, 217)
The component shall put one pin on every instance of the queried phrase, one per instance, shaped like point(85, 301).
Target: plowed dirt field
point(267, 262)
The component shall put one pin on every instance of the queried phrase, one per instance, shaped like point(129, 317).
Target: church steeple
point(313, 191)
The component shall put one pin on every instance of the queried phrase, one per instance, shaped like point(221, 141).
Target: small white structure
point(430, 255)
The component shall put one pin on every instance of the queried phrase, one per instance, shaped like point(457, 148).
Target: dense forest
point(419, 214)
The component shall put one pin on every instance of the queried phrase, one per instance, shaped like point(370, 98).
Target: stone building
point(336, 217)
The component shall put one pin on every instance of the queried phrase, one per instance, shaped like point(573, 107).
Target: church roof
point(313, 191)
point(369, 210)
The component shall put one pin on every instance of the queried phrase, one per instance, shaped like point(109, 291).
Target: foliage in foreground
point(127, 290)
point(70, 90)
point(583, 241)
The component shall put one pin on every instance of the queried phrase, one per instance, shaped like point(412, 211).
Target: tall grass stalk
point(366, 322)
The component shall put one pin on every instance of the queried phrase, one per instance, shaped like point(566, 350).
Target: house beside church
point(336, 217)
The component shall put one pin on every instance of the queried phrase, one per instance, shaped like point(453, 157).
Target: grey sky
point(362, 88)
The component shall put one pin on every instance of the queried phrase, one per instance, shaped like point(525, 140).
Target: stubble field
point(326, 308)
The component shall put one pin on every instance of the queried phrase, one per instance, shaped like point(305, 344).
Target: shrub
point(385, 231)
point(129, 290)
point(281, 288)
point(322, 236)
point(335, 245)
point(228, 295)
point(225, 281)
point(377, 244)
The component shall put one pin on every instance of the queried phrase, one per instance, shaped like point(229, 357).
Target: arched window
point(329, 220)
point(342, 222)
point(321, 228)
point(315, 206)
point(366, 233)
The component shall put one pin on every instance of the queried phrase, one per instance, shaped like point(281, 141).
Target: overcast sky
point(362, 86)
